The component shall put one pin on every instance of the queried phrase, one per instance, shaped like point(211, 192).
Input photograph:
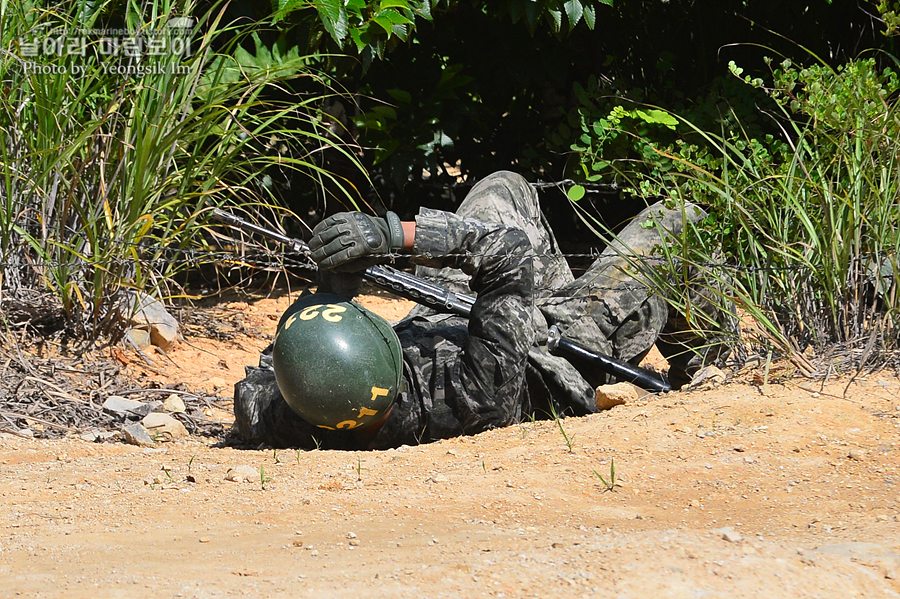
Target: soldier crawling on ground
point(339, 376)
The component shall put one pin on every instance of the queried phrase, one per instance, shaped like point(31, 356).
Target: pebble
point(140, 338)
point(120, 406)
point(163, 427)
point(856, 454)
point(730, 535)
point(174, 403)
point(242, 474)
point(136, 434)
point(709, 376)
point(98, 436)
point(609, 396)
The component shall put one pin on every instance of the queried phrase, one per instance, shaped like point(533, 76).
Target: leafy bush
point(806, 226)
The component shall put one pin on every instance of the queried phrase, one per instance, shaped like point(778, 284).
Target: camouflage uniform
point(463, 376)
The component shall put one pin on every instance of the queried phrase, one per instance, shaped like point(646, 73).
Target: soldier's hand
point(353, 241)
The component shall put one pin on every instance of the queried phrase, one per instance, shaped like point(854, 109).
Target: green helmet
point(337, 364)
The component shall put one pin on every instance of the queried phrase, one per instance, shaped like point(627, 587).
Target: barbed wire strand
point(270, 259)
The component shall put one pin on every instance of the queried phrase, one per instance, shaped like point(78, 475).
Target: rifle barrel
point(623, 371)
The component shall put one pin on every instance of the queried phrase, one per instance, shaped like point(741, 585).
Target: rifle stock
point(441, 299)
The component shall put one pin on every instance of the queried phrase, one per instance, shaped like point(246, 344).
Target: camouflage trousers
point(609, 308)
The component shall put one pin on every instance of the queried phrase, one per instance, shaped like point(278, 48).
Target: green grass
point(802, 231)
point(609, 483)
point(569, 439)
point(107, 176)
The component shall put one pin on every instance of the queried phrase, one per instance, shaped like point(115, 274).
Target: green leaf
point(385, 149)
point(574, 12)
point(402, 96)
point(401, 31)
point(386, 112)
point(531, 15)
point(575, 193)
point(334, 18)
point(393, 4)
point(384, 22)
point(658, 117)
point(423, 9)
point(356, 36)
point(283, 8)
point(395, 17)
point(556, 16)
point(590, 17)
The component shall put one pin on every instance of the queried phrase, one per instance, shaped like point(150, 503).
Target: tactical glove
point(353, 241)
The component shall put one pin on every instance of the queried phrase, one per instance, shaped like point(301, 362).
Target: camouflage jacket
point(460, 376)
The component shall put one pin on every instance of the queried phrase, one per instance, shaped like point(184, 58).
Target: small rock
point(351, 535)
point(175, 404)
point(709, 376)
point(856, 454)
point(739, 448)
point(163, 427)
point(204, 539)
point(609, 396)
point(138, 435)
point(146, 408)
point(96, 436)
point(730, 535)
point(120, 406)
point(242, 474)
point(354, 542)
point(151, 314)
point(138, 337)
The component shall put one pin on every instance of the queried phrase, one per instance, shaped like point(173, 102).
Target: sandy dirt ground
point(778, 488)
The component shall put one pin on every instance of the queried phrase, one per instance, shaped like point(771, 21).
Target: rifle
point(441, 299)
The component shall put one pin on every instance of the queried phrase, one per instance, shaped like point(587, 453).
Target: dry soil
point(776, 487)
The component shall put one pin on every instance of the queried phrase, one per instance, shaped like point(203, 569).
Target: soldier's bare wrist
point(409, 234)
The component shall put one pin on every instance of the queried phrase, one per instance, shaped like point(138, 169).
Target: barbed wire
point(301, 260)
point(610, 188)
point(272, 259)
point(194, 256)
